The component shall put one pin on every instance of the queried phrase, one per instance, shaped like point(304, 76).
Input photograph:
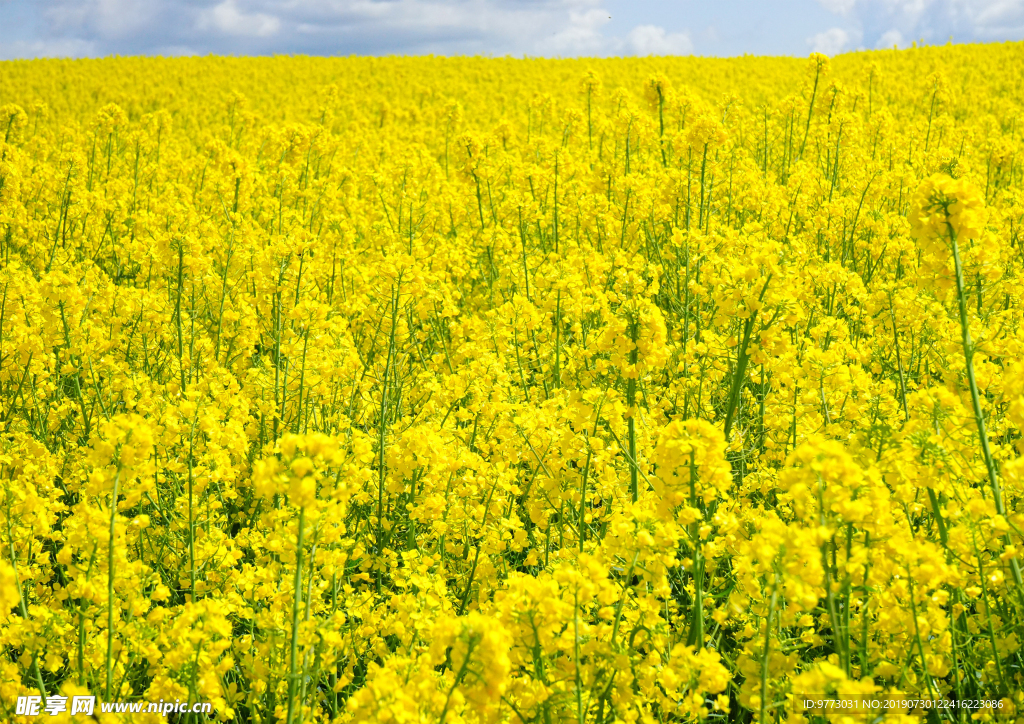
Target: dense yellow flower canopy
point(496, 390)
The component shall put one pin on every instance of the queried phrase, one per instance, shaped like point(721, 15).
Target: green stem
point(459, 676)
point(764, 654)
point(979, 417)
point(741, 363)
point(631, 405)
point(110, 584)
point(21, 598)
point(293, 677)
point(810, 111)
point(191, 514)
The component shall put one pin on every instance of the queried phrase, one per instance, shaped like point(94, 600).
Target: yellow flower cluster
point(493, 390)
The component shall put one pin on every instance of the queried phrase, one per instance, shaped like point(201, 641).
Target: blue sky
point(76, 28)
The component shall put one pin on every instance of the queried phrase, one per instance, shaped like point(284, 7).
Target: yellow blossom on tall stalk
point(493, 390)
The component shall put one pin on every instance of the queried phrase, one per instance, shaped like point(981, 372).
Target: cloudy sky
point(39, 28)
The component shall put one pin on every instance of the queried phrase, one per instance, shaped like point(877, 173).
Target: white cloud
point(654, 40)
point(59, 48)
point(533, 27)
point(839, 7)
point(891, 38)
point(489, 27)
point(341, 27)
point(104, 19)
point(829, 42)
point(582, 37)
point(227, 18)
point(996, 18)
point(884, 23)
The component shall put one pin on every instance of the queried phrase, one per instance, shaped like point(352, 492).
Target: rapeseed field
point(495, 390)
